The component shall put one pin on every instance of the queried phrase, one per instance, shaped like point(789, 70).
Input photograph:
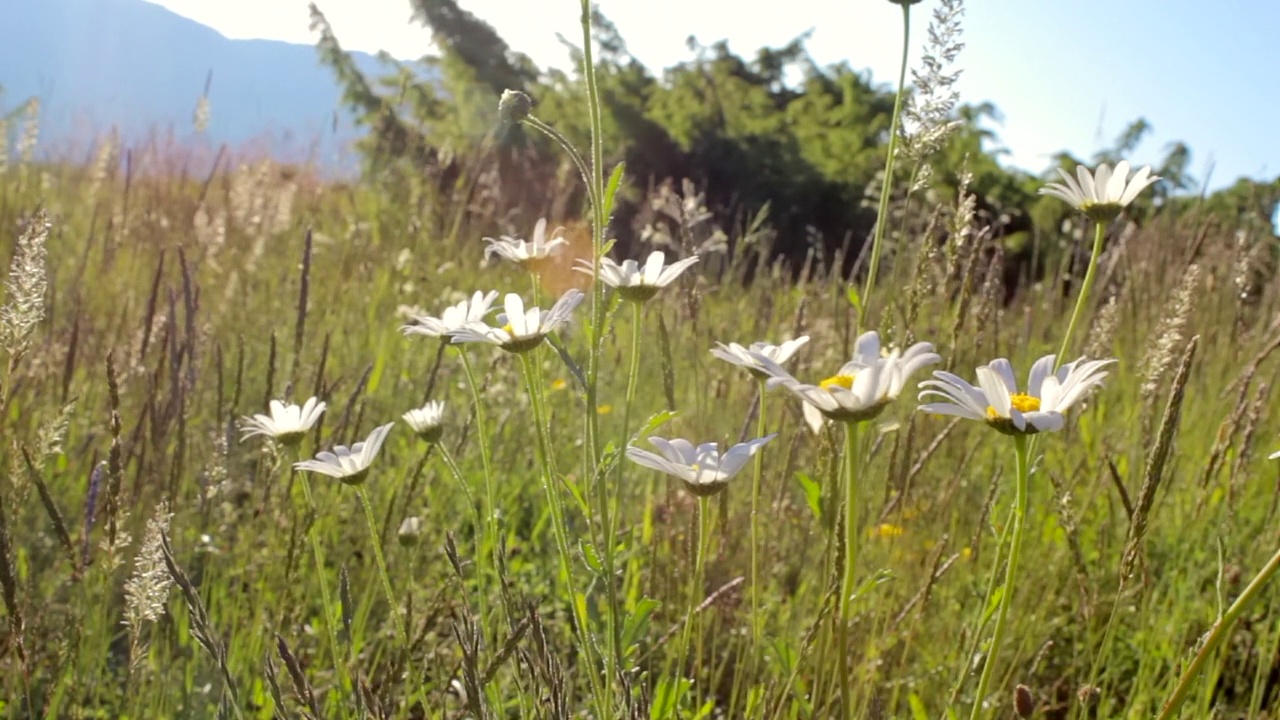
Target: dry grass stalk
point(25, 289)
point(1153, 473)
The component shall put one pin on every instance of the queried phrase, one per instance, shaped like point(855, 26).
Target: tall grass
point(545, 578)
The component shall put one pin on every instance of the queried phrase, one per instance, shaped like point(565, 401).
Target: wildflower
point(454, 317)
point(531, 253)
point(427, 421)
point(633, 282)
point(862, 387)
point(997, 402)
point(410, 530)
point(286, 424)
point(1103, 194)
point(743, 357)
point(703, 469)
point(521, 330)
point(348, 464)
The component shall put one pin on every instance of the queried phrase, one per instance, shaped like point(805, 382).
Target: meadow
point(505, 556)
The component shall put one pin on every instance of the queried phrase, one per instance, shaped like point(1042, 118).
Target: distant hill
point(142, 68)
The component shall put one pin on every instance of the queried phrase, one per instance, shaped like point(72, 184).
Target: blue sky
point(1067, 74)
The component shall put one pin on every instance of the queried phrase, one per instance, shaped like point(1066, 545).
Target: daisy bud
point(514, 106)
point(410, 530)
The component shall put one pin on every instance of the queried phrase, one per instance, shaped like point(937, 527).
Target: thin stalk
point(491, 509)
point(325, 601)
point(609, 501)
point(1010, 575)
point(695, 582)
point(1001, 544)
point(376, 539)
point(756, 474)
point(1220, 631)
point(1085, 287)
point(845, 602)
point(560, 530)
point(882, 211)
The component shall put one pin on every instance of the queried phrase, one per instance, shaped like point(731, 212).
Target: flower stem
point(325, 601)
point(491, 506)
point(1085, 287)
point(1010, 574)
point(695, 582)
point(556, 508)
point(882, 211)
point(1221, 629)
point(845, 602)
point(757, 473)
point(376, 539)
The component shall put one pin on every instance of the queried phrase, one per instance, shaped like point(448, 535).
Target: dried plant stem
point(1219, 632)
point(1010, 574)
point(886, 188)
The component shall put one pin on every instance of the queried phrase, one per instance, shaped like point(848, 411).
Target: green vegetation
point(155, 564)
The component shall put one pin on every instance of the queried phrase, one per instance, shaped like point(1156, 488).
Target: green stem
point(325, 601)
point(845, 602)
point(1085, 287)
point(376, 539)
point(695, 582)
point(757, 473)
point(491, 509)
point(882, 211)
point(1220, 631)
point(1010, 575)
point(561, 532)
point(1001, 543)
point(457, 475)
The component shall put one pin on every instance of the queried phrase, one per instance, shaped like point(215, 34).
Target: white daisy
point(997, 401)
point(862, 387)
point(636, 283)
point(527, 253)
point(453, 317)
point(286, 423)
point(703, 469)
point(1102, 194)
point(427, 422)
point(743, 357)
point(521, 330)
point(348, 464)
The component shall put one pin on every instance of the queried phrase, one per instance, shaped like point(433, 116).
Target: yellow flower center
point(1021, 402)
point(507, 329)
point(835, 381)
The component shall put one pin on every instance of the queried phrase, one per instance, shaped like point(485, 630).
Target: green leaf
point(666, 697)
point(591, 557)
point(917, 707)
point(812, 494)
point(654, 423)
point(854, 298)
point(611, 189)
point(637, 622)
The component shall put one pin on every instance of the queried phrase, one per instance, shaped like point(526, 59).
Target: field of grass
point(155, 565)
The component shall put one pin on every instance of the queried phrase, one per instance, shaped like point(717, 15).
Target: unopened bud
point(514, 106)
point(410, 531)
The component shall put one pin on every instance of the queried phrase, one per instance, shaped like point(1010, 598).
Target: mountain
point(139, 67)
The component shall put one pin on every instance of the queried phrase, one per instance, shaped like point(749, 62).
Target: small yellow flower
point(886, 530)
point(559, 384)
point(604, 409)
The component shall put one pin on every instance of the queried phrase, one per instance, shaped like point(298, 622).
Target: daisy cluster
point(858, 391)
